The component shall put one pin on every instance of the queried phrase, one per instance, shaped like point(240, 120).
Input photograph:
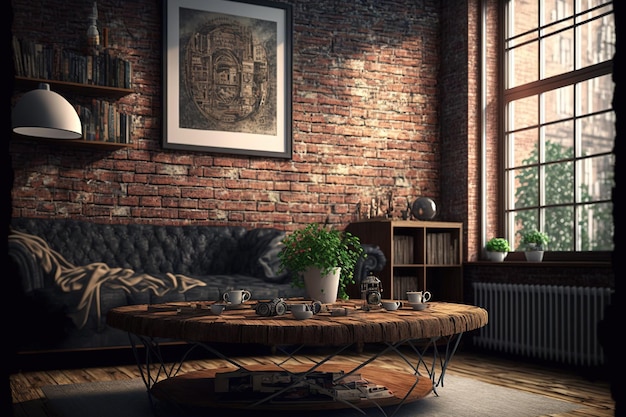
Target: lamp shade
point(46, 114)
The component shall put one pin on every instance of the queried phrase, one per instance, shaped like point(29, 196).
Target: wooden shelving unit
point(75, 89)
point(421, 255)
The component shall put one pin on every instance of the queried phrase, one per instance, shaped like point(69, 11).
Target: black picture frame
point(227, 77)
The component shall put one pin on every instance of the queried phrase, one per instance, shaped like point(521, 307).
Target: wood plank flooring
point(564, 384)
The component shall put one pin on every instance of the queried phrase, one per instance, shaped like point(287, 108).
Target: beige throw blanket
point(91, 278)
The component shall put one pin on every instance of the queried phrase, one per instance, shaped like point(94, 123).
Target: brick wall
point(367, 114)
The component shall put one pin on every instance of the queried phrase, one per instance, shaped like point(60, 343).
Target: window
point(559, 126)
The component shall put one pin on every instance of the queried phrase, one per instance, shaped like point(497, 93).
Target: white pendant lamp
point(46, 114)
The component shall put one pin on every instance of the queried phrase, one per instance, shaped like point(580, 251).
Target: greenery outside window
point(559, 126)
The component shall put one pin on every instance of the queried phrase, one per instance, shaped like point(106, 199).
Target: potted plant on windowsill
point(534, 243)
point(319, 254)
point(497, 249)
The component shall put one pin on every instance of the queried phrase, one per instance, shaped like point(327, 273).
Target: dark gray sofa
point(73, 272)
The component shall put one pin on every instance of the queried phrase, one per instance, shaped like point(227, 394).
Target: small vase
point(323, 288)
point(534, 255)
point(496, 256)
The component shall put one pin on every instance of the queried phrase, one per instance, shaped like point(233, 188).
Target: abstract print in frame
point(227, 77)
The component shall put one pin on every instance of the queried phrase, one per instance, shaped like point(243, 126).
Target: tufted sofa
point(73, 272)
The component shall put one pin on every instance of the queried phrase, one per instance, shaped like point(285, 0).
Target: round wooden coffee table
point(441, 324)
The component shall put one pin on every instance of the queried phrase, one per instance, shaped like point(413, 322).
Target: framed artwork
point(227, 77)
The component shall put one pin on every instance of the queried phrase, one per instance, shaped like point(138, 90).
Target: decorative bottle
point(93, 35)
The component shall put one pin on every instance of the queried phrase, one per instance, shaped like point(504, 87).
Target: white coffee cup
point(217, 309)
point(237, 296)
point(391, 305)
point(416, 297)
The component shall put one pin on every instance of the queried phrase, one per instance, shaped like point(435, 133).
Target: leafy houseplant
point(498, 244)
point(324, 248)
point(497, 248)
point(534, 240)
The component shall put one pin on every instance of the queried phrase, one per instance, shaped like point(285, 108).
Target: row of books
point(52, 62)
point(441, 249)
point(402, 284)
point(103, 122)
point(403, 249)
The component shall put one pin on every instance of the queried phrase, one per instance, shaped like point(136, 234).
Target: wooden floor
point(565, 384)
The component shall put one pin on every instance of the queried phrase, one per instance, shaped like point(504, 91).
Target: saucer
point(419, 306)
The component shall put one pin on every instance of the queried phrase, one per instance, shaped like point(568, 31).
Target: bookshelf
point(421, 255)
point(92, 83)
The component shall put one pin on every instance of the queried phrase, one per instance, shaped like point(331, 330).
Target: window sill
point(559, 258)
point(543, 264)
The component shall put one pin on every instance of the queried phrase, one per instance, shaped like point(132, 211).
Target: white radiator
point(557, 323)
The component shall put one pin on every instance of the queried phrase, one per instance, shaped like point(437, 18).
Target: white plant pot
point(322, 288)
point(534, 255)
point(496, 256)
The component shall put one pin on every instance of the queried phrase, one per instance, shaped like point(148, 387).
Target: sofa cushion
point(257, 255)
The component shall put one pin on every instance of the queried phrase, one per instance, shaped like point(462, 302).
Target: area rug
point(460, 397)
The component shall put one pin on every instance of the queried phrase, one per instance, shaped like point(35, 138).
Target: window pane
point(523, 147)
point(596, 178)
point(598, 133)
point(596, 95)
point(558, 56)
point(524, 64)
point(595, 223)
point(557, 10)
point(525, 220)
point(523, 113)
point(559, 225)
point(526, 187)
point(558, 104)
point(523, 14)
point(559, 184)
point(559, 145)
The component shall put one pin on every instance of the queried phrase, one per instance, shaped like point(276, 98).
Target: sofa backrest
point(145, 248)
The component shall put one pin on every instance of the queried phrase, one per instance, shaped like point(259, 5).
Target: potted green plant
point(534, 242)
point(322, 250)
point(497, 249)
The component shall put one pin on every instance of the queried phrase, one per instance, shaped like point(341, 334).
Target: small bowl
point(419, 306)
point(298, 307)
point(217, 309)
point(302, 315)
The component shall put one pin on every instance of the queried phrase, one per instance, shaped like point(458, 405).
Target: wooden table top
point(194, 322)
